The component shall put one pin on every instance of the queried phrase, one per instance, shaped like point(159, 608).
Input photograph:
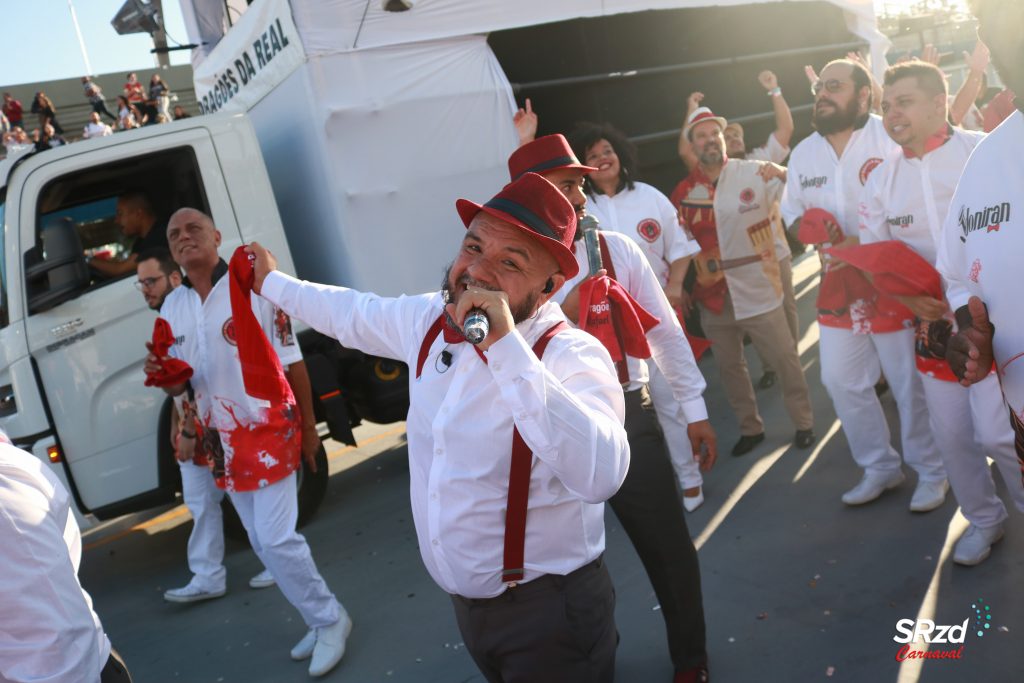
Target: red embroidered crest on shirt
point(228, 332)
point(975, 271)
point(649, 229)
point(867, 168)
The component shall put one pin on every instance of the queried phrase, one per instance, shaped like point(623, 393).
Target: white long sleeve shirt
point(669, 347)
point(982, 241)
point(817, 178)
point(907, 199)
point(568, 409)
point(648, 217)
point(48, 629)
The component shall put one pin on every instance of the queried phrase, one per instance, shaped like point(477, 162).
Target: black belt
point(522, 591)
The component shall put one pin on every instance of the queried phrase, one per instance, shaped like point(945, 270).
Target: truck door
point(86, 333)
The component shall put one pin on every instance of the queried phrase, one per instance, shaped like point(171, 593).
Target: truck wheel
point(312, 489)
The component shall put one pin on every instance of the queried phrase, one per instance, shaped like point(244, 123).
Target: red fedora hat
point(544, 154)
point(539, 210)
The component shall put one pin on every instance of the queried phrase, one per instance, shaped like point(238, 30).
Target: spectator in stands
point(94, 94)
point(127, 115)
point(5, 124)
point(17, 141)
point(49, 138)
point(133, 90)
point(180, 113)
point(43, 107)
point(96, 128)
point(159, 100)
point(12, 110)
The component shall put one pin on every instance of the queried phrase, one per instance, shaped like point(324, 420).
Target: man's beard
point(711, 155)
point(841, 119)
point(520, 312)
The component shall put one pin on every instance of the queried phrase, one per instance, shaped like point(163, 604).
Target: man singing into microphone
point(531, 593)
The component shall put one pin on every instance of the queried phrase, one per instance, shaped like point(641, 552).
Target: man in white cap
point(827, 171)
point(725, 204)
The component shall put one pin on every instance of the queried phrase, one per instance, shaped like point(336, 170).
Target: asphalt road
point(797, 586)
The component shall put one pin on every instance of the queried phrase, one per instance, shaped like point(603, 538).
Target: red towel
point(898, 270)
point(172, 371)
point(261, 370)
point(608, 312)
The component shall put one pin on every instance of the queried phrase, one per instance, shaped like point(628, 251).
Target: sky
point(40, 43)
point(40, 35)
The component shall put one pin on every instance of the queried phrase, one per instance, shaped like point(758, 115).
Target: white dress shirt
point(568, 409)
point(48, 629)
point(648, 217)
point(669, 347)
point(982, 241)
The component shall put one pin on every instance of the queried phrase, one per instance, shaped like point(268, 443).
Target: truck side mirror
point(56, 272)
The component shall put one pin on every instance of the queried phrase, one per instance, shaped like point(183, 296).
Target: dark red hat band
point(557, 162)
point(521, 213)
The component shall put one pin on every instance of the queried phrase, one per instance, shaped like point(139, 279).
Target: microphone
point(476, 326)
point(588, 225)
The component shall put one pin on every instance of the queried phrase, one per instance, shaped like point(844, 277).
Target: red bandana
point(172, 371)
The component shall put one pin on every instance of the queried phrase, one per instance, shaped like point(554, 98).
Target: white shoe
point(691, 503)
point(975, 545)
point(304, 648)
point(262, 580)
point(192, 593)
point(330, 646)
point(871, 486)
point(929, 495)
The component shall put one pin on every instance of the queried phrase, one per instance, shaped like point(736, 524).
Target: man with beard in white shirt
point(982, 238)
point(906, 199)
point(512, 450)
point(828, 171)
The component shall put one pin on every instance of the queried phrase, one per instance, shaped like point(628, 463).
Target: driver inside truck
point(138, 221)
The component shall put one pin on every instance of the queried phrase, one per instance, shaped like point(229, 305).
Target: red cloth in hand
point(261, 369)
point(898, 270)
point(608, 312)
point(172, 371)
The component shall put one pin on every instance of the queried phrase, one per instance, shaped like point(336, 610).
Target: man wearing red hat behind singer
point(520, 552)
point(828, 170)
point(726, 204)
point(648, 502)
point(906, 199)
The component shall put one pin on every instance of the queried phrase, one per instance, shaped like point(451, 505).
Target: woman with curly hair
point(43, 107)
point(622, 203)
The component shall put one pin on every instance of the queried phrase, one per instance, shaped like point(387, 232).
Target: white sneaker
point(192, 593)
point(304, 648)
point(330, 646)
point(975, 545)
point(929, 495)
point(691, 503)
point(871, 486)
point(262, 580)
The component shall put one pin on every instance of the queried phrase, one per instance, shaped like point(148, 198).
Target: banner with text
point(259, 52)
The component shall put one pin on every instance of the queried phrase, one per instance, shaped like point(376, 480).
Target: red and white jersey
point(669, 346)
point(982, 241)
point(771, 151)
point(259, 443)
point(817, 178)
point(907, 198)
point(648, 217)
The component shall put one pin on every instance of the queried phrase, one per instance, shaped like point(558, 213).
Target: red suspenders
point(519, 470)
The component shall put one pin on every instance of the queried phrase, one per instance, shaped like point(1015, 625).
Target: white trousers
point(969, 424)
point(673, 424)
point(206, 542)
point(269, 515)
point(850, 366)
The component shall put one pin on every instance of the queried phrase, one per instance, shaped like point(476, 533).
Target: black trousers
point(101, 108)
point(115, 670)
point(650, 510)
point(553, 629)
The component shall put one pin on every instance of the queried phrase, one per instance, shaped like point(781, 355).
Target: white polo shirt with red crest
point(648, 217)
point(251, 442)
